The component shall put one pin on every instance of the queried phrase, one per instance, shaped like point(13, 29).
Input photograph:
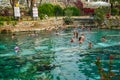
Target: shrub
point(46, 9)
point(1, 23)
point(58, 11)
point(114, 11)
point(68, 20)
point(68, 12)
point(6, 18)
point(99, 15)
point(41, 16)
point(75, 11)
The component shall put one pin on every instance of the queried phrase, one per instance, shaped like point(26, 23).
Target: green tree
point(46, 9)
point(99, 15)
point(68, 12)
point(58, 11)
point(74, 11)
point(113, 6)
point(40, 2)
point(114, 11)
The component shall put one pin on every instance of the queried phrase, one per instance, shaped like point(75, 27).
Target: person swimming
point(13, 36)
point(82, 27)
point(89, 45)
point(57, 32)
point(16, 48)
point(103, 39)
point(71, 40)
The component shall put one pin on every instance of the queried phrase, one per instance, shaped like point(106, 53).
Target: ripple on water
point(27, 52)
point(73, 61)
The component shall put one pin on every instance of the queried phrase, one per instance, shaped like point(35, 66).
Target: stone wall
point(32, 25)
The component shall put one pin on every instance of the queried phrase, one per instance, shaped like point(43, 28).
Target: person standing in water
point(75, 34)
point(81, 38)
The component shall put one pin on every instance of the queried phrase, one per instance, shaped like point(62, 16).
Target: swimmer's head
point(82, 34)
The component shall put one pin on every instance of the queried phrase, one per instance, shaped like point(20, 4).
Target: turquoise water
point(47, 56)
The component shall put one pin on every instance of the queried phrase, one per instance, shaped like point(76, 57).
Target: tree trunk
point(12, 2)
point(40, 2)
point(28, 3)
point(32, 4)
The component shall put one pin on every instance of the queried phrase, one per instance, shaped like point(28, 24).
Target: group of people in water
point(81, 38)
point(76, 36)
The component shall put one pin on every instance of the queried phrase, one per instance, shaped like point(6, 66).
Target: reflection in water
point(47, 56)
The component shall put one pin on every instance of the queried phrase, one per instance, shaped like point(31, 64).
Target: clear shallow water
point(48, 56)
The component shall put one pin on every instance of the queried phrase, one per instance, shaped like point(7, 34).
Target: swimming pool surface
point(47, 56)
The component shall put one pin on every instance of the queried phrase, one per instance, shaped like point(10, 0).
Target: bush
point(41, 16)
point(46, 9)
point(75, 11)
point(1, 23)
point(58, 11)
point(68, 20)
point(99, 15)
point(68, 12)
point(50, 10)
point(114, 11)
point(6, 18)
